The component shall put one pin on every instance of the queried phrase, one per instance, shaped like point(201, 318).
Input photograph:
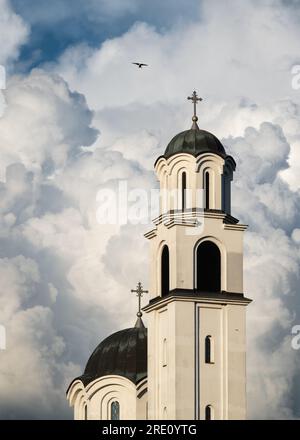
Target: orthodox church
point(190, 363)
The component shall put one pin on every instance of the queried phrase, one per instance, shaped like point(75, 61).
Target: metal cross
point(195, 100)
point(139, 293)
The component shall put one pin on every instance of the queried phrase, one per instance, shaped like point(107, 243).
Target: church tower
point(190, 363)
point(196, 312)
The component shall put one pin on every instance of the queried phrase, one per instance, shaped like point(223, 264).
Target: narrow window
point(207, 190)
point(209, 412)
point(183, 194)
point(165, 413)
point(115, 411)
point(224, 195)
point(85, 412)
point(209, 350)
point(165, 271)
point(165, 360)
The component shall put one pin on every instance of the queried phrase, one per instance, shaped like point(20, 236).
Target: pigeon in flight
point(140, 65)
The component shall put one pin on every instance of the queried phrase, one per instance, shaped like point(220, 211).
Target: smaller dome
point(195, 142)
point(123, 353)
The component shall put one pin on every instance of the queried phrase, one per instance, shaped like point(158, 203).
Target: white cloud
point(272, 260)
point(13, 32)
point(221, 56)
point(207, 55)
point(249, 102)
point(58, 293)
point(44, 124)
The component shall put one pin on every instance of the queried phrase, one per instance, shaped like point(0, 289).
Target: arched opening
point(115, 411)
point(85, 412)
point(207, 190)
point(209, 350)
point(165, 271)
point(183, 191)
point(226, 193)
point(208, 267)
point(209, 412)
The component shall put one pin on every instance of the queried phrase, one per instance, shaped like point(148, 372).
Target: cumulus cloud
point(207, 54)
point(67, 277)
point(219, 56)
point(50, 123)
point(56, 295)
point(252, 106)
point(272, 275)
point(13, 32)
point(100, 12)
point(92, 21)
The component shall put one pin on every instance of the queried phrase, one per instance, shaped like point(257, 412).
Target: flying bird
point(140, 65)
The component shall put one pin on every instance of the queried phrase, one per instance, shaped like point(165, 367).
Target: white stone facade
point(186, 386)
point(94, 401)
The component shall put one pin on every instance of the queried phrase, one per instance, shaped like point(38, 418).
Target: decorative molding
point(193, 214)
point(196, 296)
point(151, 234)
point(235, 227)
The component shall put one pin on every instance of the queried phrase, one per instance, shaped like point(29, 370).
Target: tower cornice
point(192, 295)
point(192, 217)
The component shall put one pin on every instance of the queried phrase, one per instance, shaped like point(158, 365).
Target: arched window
point(207, 190)
point(115, 411)
point(226, 191)
point(209, 350)
point(208, 267)
point(209, 412)
point(165, 271)
point(85, 412)
point(183, 190)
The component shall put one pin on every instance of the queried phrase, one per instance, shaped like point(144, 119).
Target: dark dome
point(123, 353)
point(194, 141)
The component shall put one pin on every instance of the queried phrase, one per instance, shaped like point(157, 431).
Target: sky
point(77, 117)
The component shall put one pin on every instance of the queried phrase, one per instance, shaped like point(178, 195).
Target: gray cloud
point(272, 276)
point(58, 298)
point(98, 12)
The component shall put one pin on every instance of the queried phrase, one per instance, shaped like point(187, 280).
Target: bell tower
point(196, 312)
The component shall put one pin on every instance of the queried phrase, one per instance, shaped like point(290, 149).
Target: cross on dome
point(139, 293)
point(195, 98)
